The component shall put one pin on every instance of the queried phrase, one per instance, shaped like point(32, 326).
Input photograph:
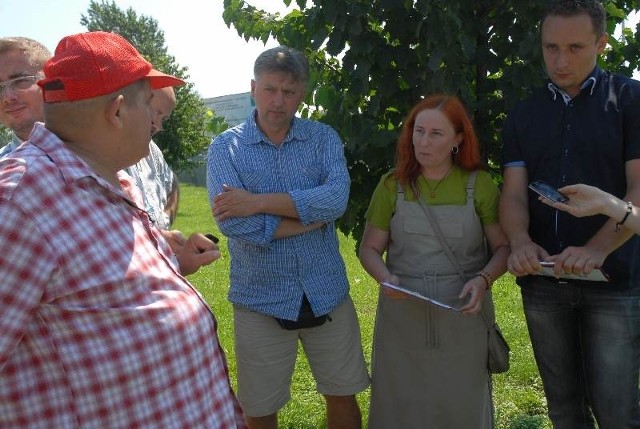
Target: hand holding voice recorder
point(547, 191)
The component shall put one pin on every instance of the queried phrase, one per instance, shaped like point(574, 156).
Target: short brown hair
point(283, 59)
point(593, 8)
point(36, 53)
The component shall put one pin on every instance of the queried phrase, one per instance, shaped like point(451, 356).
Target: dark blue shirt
point(585, 139)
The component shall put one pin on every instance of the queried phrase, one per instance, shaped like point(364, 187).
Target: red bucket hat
point(88, 65)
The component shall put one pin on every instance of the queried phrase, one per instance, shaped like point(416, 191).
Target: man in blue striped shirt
point(277, 184)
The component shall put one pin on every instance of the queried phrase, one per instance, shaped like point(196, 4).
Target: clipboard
point(419, 296)
point(596, 275)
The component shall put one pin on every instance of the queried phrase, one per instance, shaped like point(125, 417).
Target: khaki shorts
point(266, 356)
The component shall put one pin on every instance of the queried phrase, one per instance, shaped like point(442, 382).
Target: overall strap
point(471, 185)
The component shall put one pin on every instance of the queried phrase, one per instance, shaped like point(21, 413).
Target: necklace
point(432, 191)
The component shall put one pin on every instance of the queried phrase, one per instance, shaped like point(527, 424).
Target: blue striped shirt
point(270, 275)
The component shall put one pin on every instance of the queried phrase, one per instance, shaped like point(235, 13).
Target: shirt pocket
point(420, 225)
point(310, 176)
point(256, 181)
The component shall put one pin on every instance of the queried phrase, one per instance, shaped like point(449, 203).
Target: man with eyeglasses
point(21, 63)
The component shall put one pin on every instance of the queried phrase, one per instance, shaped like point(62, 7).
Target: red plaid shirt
point(98, 329)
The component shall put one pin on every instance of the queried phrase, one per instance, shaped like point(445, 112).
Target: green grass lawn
point(518, 396)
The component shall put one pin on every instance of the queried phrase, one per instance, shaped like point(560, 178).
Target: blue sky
point(220, 62)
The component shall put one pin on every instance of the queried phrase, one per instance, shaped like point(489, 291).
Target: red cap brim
point(160, 80)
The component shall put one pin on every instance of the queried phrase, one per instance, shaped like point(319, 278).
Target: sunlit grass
point(518, 396)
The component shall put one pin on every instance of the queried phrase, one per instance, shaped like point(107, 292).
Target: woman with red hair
point(429, 365)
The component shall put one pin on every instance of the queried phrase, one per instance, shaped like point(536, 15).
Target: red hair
point(407, 168)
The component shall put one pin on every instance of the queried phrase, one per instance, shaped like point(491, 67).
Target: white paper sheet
point(419, 296)
point(597, 275)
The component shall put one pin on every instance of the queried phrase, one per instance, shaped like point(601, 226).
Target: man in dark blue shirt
point(584, 127)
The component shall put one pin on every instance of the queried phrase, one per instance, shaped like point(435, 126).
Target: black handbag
point(498, 350)
point(306, 318)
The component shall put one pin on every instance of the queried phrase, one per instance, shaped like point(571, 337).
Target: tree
point(216, 124)
point(184, 132)
point(5, 135)
point(374, 59)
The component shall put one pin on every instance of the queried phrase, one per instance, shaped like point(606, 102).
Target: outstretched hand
point(392, 293)
point(175, 239)
point(197, 252)
point(525, 258)
point(475, 289)
point(584, 200)
point(577, 260)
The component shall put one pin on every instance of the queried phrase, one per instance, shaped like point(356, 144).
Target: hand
point(475, 288)
point(584, 200)
point(196, 252)
point(175, 239)
point(392, 293)
point(525, 258)
point(233, 202)
point(577, 260)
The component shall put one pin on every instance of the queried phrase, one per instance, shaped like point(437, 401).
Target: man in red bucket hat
point(99, 328)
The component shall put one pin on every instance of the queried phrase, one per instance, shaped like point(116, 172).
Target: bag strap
point(443, 243)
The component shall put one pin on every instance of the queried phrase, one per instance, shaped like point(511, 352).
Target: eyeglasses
point(21, 83)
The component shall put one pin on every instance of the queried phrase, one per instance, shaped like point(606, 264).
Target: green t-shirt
point(452, 191)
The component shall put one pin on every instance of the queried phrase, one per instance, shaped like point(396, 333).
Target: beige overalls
point(429, 365)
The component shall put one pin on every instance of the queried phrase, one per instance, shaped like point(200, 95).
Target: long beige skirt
point(429, 367)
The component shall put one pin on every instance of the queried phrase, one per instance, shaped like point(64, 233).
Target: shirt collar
point(71, 166)
point(589, 81)
point(255, 135)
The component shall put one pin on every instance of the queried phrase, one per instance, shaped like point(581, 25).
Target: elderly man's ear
point(113, 111)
